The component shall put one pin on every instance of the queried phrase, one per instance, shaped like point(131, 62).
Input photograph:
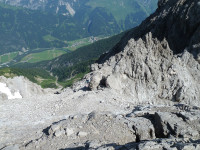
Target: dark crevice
point(28, 143)
point(151, 133)
point(181, 116)
point(158, 127)
point(136, 134)
point(172, 132)
point(103, 82)
point(151, 117)
point(46, 130)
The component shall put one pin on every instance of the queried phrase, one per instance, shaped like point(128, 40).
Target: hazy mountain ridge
point(70, 7)
point(82, 9)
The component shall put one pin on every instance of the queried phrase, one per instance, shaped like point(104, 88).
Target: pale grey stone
point(58, 133)
point(69, 131)
point(82, 134)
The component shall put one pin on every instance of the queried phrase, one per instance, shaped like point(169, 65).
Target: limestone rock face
point(159, 60)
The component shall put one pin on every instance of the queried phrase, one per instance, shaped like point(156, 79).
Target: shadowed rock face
point(157, 60)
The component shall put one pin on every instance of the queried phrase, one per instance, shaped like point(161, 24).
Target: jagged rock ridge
point(156, 61)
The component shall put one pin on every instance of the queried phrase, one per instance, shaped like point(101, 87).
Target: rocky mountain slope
point(144, 94)
point(159, 59)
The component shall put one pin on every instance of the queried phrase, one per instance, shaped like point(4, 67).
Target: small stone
point(37, 147)
point(82, 134)
point(59, 133)
point(75, 117)
point(54, 128)
point(94, 144)
point(80, 127)
point(69, 131)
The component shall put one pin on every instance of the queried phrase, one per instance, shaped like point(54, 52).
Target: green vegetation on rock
point(8, 57)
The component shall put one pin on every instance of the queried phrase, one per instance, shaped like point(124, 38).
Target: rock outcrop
point(159, 60)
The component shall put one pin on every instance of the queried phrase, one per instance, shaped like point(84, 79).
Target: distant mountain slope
point(71, 7)
point(67, 68)
point(65, 20)
point(37, 30)
point(22, 29)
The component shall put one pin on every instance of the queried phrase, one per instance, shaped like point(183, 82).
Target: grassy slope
point(8, 57)
point(45, 55)
point(121, 9)
point(78, 62)
point(42, 54)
